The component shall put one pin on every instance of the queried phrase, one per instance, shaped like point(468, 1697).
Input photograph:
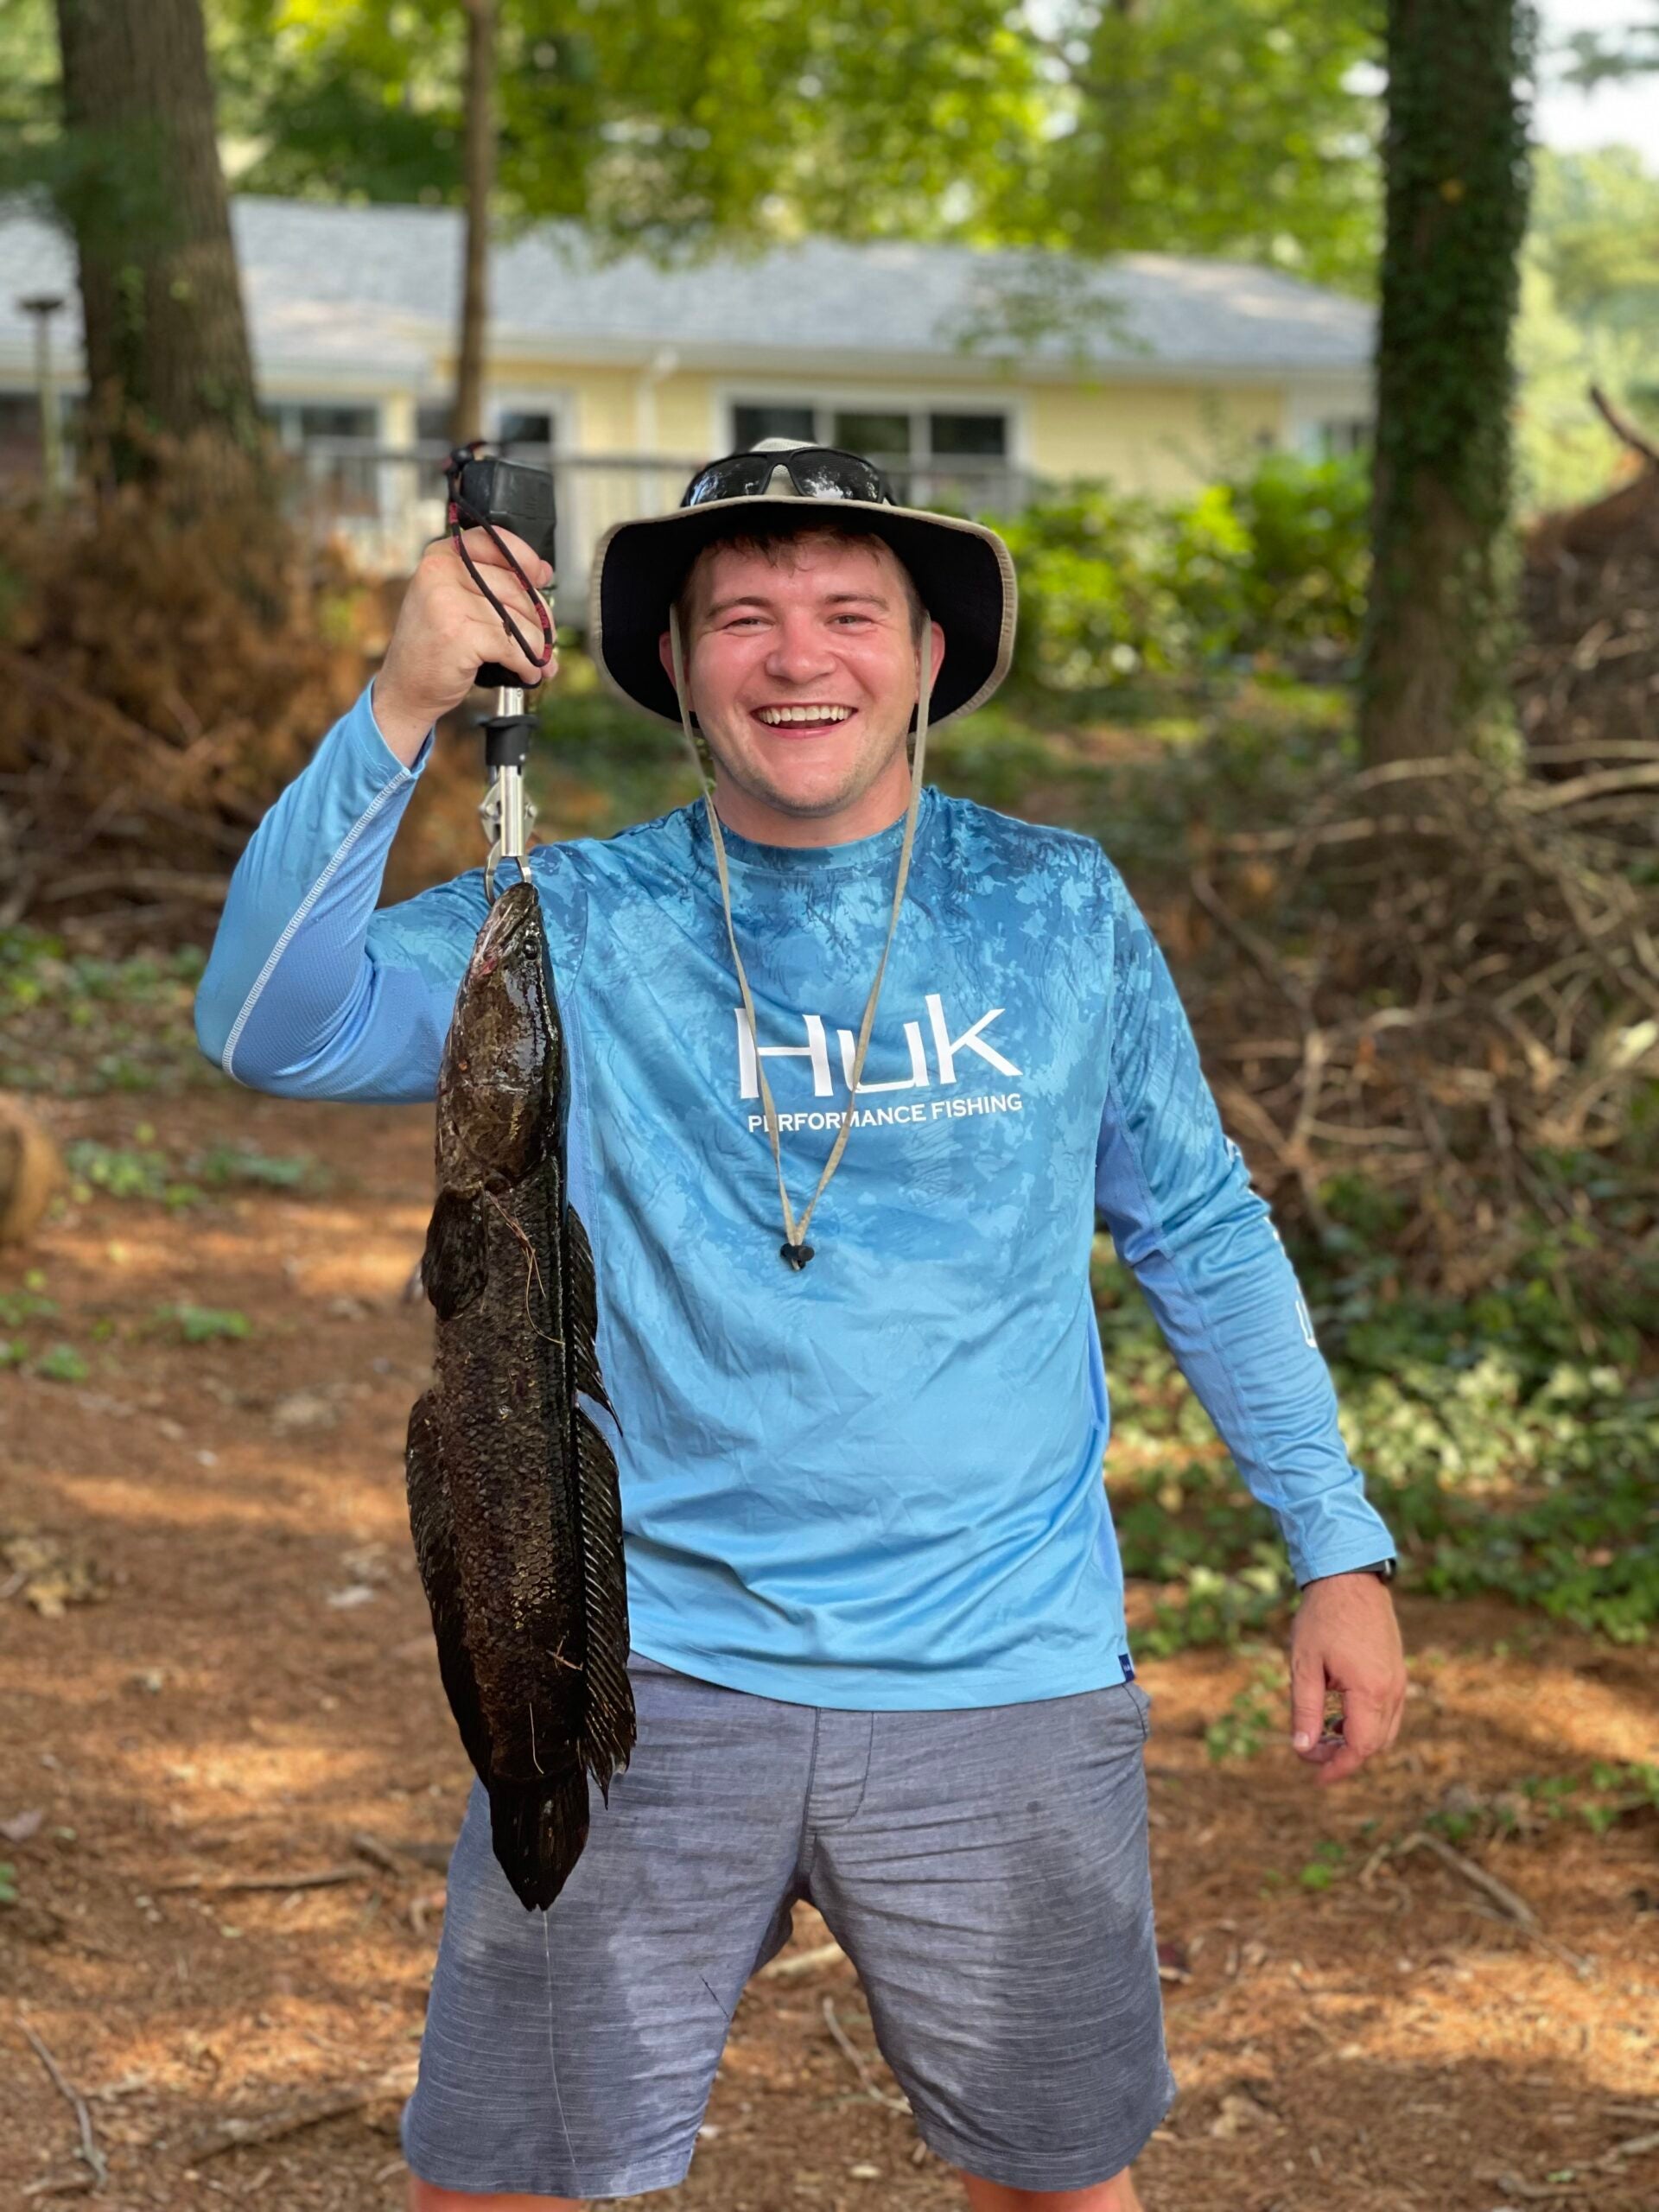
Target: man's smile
point(813, 714)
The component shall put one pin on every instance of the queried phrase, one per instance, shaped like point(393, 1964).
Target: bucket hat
point(962, 569)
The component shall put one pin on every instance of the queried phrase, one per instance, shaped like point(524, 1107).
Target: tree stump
point(31, 1170)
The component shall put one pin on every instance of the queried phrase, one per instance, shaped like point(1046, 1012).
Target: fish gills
point(513, 1498)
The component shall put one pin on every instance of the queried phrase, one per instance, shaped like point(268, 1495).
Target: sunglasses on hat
point(816, 472)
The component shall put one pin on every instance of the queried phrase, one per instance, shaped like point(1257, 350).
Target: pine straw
point(164, 671)
point(1435, 982)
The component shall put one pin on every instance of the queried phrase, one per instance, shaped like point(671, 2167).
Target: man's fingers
point(1306, 1702)
point(483, 549)
point(495, 644)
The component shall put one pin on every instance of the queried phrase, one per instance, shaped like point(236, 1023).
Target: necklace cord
point(794, 1232)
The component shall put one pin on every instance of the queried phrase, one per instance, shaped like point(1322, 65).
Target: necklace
point(795, 1250)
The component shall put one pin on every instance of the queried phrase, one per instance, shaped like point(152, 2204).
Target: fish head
point(500, 1066)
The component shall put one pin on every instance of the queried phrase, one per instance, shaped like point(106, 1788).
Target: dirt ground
point(248, 1695)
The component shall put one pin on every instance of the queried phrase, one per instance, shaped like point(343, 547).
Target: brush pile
point(1432, 1005)
point(167, 663)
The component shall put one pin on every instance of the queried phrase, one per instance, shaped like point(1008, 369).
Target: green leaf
point(61, 1363)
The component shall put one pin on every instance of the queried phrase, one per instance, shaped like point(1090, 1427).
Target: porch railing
point(384, 503)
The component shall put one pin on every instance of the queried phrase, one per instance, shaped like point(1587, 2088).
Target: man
point(880, 1657)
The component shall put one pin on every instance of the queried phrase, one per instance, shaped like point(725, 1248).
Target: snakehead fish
point(512, 1490)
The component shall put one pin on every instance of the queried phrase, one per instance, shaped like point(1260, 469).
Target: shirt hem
point(837, 1688)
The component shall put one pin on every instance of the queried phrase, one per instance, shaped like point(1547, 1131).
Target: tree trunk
point(1435, 671)
point(467, 421)
point(167, 344)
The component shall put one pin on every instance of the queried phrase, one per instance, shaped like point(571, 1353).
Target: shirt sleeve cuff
point(1343, 1536)
point(372, 736)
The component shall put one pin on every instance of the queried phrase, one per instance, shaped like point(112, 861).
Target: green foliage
point(1115, 587)
point(61, 1363)
point(144, 1171)
point(229, 1164)
point(1252, 1717)
point(8, 1883)
point(1229, 127)
point(1328, 1862)
point(203, 1324)
point(76, 1024)
point(1597, 1797)
point(1507, 1457)
point(125, 1171)
point(658, 123)
point(1589, 306)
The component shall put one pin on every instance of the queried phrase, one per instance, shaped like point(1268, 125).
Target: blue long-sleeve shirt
point(875, 1483)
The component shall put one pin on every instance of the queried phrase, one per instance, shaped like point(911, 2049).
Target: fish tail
point(608, 1731)
point(537, 1834)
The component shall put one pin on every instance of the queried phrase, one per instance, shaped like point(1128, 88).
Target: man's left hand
point(1345, 1638)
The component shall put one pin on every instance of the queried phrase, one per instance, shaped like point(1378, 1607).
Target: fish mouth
point(808, 718)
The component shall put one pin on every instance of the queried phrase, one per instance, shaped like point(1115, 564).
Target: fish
point(514, 1503)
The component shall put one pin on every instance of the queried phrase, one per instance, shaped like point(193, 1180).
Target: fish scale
point(513, 1496)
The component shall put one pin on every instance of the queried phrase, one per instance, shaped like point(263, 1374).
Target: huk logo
point(949, 1052)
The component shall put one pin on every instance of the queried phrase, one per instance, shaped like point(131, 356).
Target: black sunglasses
point(816, 472)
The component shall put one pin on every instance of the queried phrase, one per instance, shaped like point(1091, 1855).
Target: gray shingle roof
point(379, 288)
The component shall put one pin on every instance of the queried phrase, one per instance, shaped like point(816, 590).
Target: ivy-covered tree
point(139, 175)
point(1435, 662)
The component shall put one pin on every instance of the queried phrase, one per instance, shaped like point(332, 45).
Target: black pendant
point(796, 1255)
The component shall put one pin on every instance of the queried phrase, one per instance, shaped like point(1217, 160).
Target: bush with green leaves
point(1116, 585)
point(1510, 1451)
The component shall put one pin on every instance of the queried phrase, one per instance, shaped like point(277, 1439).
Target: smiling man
point(880, 1657)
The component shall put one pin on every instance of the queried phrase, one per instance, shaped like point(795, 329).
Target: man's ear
point(938, 650)
point(665, 654)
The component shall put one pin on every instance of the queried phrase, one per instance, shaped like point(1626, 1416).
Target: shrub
point(1115, 586)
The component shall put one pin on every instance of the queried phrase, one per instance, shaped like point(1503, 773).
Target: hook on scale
point(490, 493)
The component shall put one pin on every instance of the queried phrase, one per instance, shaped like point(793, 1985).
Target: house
point(972, 375)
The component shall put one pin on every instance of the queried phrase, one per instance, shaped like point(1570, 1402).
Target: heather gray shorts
point(985, 1871)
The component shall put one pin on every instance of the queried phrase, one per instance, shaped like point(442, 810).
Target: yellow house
point(974, 377)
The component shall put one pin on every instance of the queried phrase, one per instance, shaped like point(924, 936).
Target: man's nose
point(798, 652)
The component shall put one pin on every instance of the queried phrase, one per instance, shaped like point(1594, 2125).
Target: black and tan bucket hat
point(962, 570)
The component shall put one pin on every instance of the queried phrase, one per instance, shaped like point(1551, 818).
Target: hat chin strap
point(795, 1249)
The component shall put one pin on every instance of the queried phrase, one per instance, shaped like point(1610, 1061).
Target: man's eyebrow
point(742, 599)
point(831, 599)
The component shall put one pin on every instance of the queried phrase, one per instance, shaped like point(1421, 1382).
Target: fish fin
point(608, 1729)
point(454, 1263)
point(538, 1834)
point(583, 1316)
point(431, 1525)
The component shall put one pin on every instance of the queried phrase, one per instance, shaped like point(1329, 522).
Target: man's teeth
point(776, 715)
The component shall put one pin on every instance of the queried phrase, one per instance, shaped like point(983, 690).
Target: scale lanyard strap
point(795, 1249)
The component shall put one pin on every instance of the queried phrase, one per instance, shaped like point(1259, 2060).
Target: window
point(753, 422)
point(527, 431)
point(882, 436)
point(978, 435)
point(1344, 434)
point(932, 456)
point(335, 442)
point(432, 424)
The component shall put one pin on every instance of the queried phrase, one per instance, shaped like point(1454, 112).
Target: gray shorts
point(984, 1870)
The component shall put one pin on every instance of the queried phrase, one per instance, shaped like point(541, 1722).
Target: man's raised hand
point(447, 630)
